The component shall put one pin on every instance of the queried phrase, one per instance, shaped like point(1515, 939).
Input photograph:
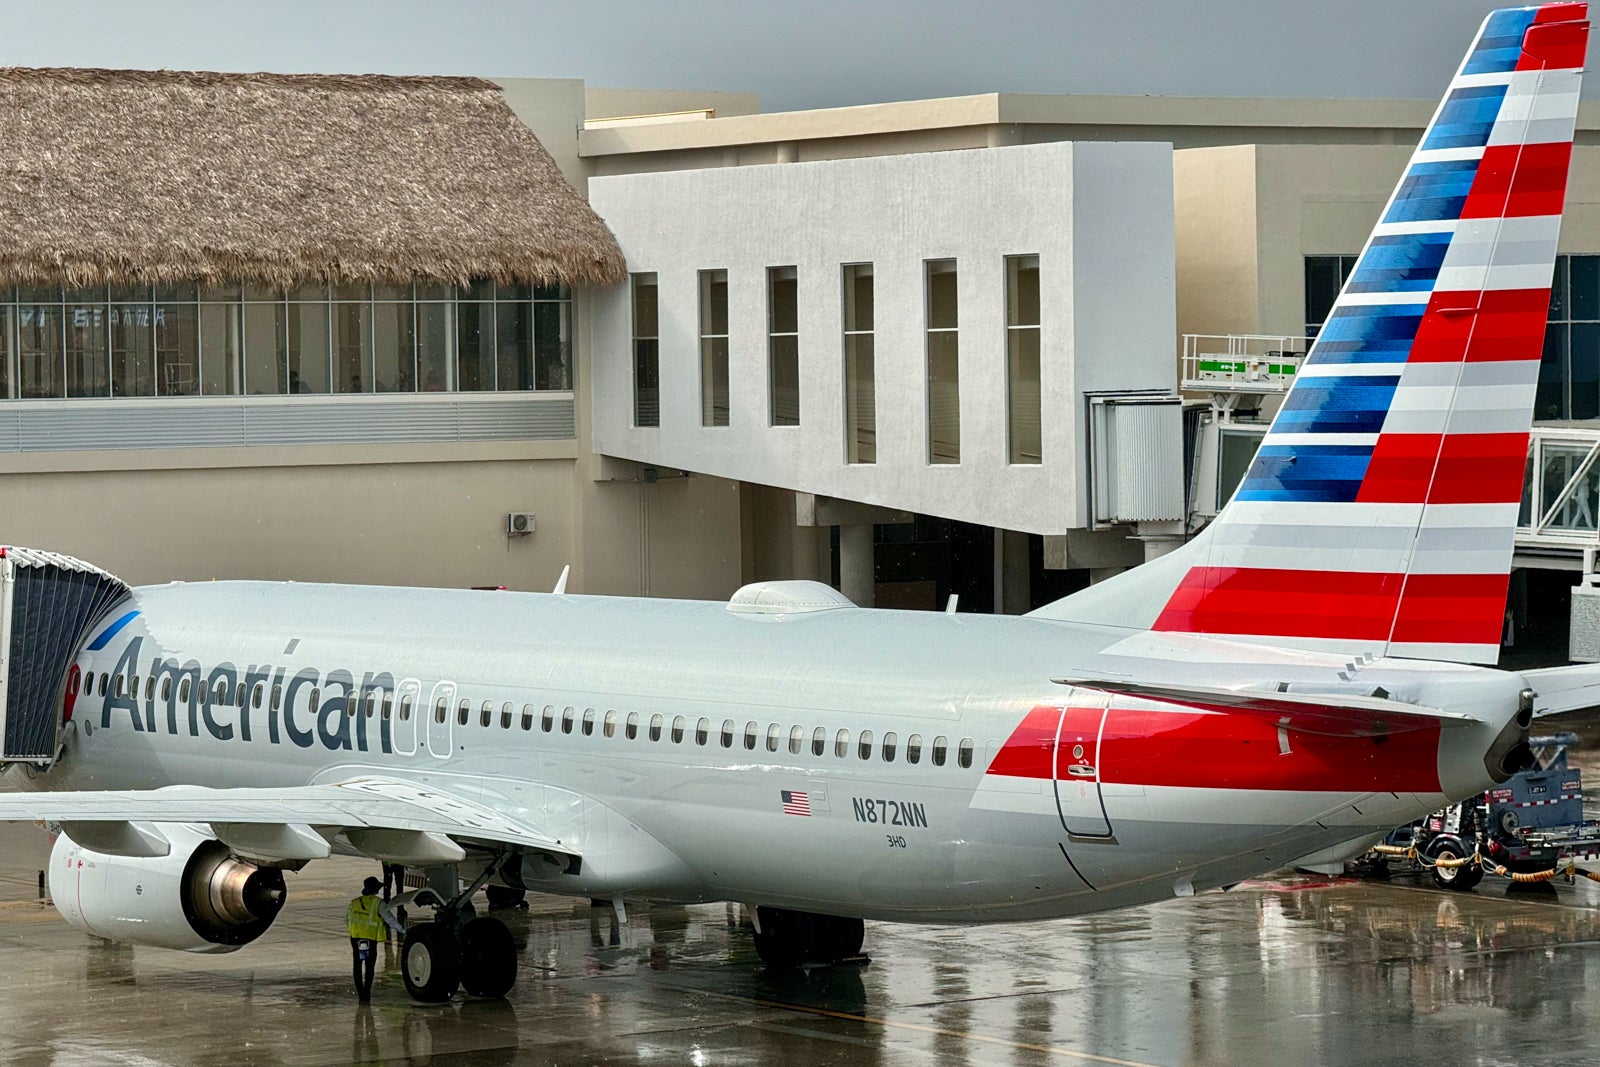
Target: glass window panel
point(1023, 407)
point(177, 292)
point(858, 296)
point(783, 310)
point(713, 303)
point(714, 381)
point(6, 315)
point(264, 355)
point(1022, 290)
point(220, 339)
point(513, 291)
point(474, 347)
point(552, 345)
point(177, 328)
point(352, 348)
point(308, 346)
point(1584, 356)
point(435, 340)
point(551, 291)
point(1585, 282)
point(944, 397)
point(861, 413)
point(1322, 288)
point(312, 294)
point(391, 291)
point(479, 289)
point(435, 291)
point(1558, 290)
point(39, 366)
point(88, 355)
point(783, 357)
point(646, 352)
point(213, 293)
point(393, 348)
point(1549, 400)
point(352, 291)
point(941, 294)
point(133, 365)
point(513, 346)
point(263, 292)
point(130, 294)
point(38, 294)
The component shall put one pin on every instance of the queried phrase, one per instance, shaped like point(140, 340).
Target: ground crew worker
point(366, 917)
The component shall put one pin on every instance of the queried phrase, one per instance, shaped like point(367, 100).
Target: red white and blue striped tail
point(1379, 513)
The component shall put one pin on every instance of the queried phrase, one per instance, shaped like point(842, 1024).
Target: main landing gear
point(457, 950)
point(786, 939)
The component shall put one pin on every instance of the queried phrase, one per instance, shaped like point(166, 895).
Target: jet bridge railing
point(1561, 489)
point(48, 604)
point(1239, 362)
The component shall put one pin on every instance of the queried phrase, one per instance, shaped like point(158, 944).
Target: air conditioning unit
point(519, 523)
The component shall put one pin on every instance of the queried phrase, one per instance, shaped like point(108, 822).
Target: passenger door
point(1077, 765)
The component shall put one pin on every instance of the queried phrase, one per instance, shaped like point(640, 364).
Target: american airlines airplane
point(1296, 680)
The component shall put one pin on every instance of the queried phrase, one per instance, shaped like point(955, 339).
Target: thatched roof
point(121, 176)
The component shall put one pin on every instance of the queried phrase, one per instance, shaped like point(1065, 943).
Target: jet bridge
point(48, 604)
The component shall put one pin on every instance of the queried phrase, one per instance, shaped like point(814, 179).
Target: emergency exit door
point(1077, 766)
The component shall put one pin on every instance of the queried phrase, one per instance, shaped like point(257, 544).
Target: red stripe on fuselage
point(1351, 605)
point(1494, 324)
point(1458, 468)
point(1199, 748)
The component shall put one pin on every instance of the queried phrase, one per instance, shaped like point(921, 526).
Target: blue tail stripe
point(1403, 263)
point(1467, 118)
point(1322, 473)
point(1367, 333)
point(1433, 191)
point(1500, 45)
point(1351, 404)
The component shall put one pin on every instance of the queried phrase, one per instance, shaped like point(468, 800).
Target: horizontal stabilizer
point(1561, 689)
point(1329, 714)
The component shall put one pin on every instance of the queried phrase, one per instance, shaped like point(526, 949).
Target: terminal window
point(713, 348)
point(1325, 276)
point(943, 355)
point(1023, 403)
point(646, 352)
point(1569, 369)
point(188, 340)
point(783, 346)
point(860, 400)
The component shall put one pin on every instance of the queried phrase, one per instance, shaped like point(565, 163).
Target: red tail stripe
point(1518, 181)
point(1558, 12)
point(1553, 45)
point(1496, 324)
point(1458, 468)
point(1355, 605)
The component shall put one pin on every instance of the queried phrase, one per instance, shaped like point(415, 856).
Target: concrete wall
point(1098, 216)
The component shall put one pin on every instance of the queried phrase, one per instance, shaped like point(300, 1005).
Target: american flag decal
point(795, 802)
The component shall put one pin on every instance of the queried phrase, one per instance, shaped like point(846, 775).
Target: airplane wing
point(1333, 714)
point(1564, 688)
point(386, 818)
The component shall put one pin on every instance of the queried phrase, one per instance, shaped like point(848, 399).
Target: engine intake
point(197, 898)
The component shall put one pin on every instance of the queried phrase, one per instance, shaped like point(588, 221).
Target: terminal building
point(446, 331)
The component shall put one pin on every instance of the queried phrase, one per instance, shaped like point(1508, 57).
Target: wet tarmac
point(1295, 970)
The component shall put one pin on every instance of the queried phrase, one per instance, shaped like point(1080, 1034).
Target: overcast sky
point(819, 53)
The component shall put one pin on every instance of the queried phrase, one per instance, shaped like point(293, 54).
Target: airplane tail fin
point(1379, 513)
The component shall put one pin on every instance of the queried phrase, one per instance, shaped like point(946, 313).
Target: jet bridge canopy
point(48, 604)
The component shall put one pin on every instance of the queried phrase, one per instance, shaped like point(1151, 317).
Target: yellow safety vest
point(364, 919)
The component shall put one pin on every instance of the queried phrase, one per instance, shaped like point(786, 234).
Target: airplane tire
point(431, 963)
point(783, 940)
point(1460, 879)
point(488, 958)
point(501, 896)
point(836, 938)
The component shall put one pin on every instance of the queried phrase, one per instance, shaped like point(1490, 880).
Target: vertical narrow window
point(265, 342)
point(944, 379)
point(860, 401)
point(783, 347)
point(6, 346)
point(646, 352)
point(88, 344)
point(394, 344)
point(475, 337)
point(1325, 277)
point(352, 339)
point(132, 356)
point(436, 337)
point(176, 318)
point(713, 348)
point(552, 337)
point(308, 344)
point(1022, 359)
point(40, 369)
point(513, 334)
point(221, 340)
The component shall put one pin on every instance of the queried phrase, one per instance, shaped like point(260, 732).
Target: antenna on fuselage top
point(561, 582)
point(950, 605)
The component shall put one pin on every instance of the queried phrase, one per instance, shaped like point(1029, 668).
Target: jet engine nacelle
point(197, 898)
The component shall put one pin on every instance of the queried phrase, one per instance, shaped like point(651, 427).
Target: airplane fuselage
point(892, 765)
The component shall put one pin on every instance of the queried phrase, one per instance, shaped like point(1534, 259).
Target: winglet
point(561, 582)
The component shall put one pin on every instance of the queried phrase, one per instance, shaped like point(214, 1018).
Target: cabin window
point(464, 713)
point(655, 727)
point(841, 744)
point(441, 710)
point(149, 687)
point(797, 739)
point(914, 748)
point(222, 692)
point(630, 729)
point(352, 702)
point(133, 689)
point(405, 707)
point(568, 715)
point(316, 700)
point(940, 748)
point(608, 727)
point(964, 753)
point(774, 735)
point(105, 683)
point(679, 724)
point(388, 704)
point(588, 722)
point(486, 713)
point(121, 681)
point(183, 690)
point(547, 721)
point(372, 703)
point(819, 741)
point(891, 745)
point(527, 716)
point(864, 746)
point(507, 713)
point(751, 731)
point(277, 697)
point(238, 693)
point(727, 733)
point(166, 687)
point(73, 681)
